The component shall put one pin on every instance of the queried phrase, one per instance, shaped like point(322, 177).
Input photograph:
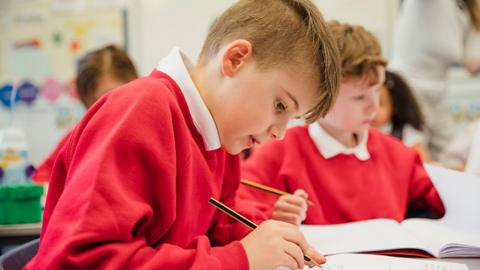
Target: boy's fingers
point(296, 200)
point(288, 207)
point(287, 217)
point(296, 253)
point(316, 256)
point(295, 236)
point(301, 193)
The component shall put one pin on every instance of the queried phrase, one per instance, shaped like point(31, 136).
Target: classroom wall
point(155, 26)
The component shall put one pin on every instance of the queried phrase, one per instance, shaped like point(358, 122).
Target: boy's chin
point(233, 149)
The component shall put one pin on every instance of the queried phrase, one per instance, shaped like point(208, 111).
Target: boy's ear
point(236, 55)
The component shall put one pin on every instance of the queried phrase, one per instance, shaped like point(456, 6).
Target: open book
point(457, 234)
point(376, 262)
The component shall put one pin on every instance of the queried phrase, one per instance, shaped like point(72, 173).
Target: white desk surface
point(472, 263)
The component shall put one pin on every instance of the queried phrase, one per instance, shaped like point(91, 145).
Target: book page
point(460, 193)
point(361, 236)
point(377, 262)
point(436, 235)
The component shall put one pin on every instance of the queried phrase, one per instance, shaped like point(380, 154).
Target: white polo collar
point(177, 65)
point(329, 147)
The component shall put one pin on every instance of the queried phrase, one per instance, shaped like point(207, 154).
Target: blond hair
point(360, 52)
point(288, 33)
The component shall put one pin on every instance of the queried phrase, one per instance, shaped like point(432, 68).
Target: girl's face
point(356, 105)
point(385, 110)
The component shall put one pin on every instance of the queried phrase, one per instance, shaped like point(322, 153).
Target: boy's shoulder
point(297, 133)
point(155, 92)
point(381, 142)
point(156, 84)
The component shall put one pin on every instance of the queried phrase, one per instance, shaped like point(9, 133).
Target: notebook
point(377, 262)
point(457, 234)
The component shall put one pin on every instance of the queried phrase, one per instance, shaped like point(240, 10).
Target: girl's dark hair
point(94, 65)
point(405, 107)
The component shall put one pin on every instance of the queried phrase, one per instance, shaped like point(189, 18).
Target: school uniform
point(409, 135)
point(130, 190)
point(379, 178)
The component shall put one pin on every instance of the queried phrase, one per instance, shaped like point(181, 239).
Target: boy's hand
point(291, 208)
point(276, 244)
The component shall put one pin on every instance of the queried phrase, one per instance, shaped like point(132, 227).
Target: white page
point(460, 193)
point(361, 236)
point(435, 234)
point(377, 262)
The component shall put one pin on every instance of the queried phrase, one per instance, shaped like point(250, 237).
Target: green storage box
point(20, 203)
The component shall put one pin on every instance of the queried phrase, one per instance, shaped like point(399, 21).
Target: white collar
point(386, 128)
point(177, 65)
point(329, 147)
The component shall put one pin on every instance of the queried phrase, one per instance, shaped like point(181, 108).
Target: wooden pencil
point(268, 189)
point(245, 221)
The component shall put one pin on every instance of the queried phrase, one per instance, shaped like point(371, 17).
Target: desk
point(12, 235)
point(472, 263)
point(11, 230)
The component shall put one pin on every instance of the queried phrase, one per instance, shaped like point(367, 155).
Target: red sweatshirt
point(130, 189)
point(343, 188)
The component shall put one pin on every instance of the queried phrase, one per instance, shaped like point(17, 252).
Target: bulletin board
point(45, 38)
point(40, 43)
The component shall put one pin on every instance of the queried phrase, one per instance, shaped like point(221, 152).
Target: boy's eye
point(359, 97)
point(280, 106)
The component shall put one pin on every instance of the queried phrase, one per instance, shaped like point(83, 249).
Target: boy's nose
point(277, 132)
point(374, 105)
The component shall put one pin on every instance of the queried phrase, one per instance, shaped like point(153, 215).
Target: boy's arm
point(118, 207)
point(225, 229)
point(422, 193)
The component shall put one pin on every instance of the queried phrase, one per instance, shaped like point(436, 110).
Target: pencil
point(238, 217)
point(268, 189)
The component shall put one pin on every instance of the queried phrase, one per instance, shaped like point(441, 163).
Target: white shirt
point(410, 135)
point(329, 147)
point(430, 37)
point(177, 65)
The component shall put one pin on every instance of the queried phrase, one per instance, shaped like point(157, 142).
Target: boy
point(98, 72)
point(349, 171)
point(131, 189)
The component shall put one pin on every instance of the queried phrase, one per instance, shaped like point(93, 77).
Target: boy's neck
point(346, 138)
point(200, 81)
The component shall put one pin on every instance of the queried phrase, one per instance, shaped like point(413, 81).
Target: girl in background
point(400, 115)
point(98, 72)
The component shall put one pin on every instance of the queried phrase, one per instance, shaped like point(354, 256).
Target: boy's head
point(363, 74)
point(265, 62)
point(102, 70)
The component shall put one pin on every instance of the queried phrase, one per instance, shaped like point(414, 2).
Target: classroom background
point(41, 40)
